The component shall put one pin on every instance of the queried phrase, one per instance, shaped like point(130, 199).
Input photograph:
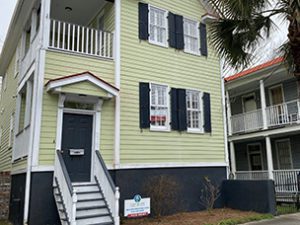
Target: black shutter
point(179, 32)
point(143, 21)
point(176, 39)
point(172, 30)
point(203, 39)
point(174, 109)
point(144, 105)
point(207, 112)
point(181, 99)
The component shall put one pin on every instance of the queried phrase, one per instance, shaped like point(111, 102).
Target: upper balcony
point(266, 101)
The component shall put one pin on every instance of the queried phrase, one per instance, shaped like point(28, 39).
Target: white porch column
point(263, 104)
point(232, 158)
point(269, 157)
point(228, 106)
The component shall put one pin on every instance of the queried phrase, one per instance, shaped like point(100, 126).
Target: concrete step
point(92, 212)
point(97, 219)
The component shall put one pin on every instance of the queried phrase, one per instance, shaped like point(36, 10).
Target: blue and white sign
point(137, 207)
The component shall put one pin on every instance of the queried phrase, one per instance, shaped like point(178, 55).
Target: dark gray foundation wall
point(190, 181)
point(242, 155)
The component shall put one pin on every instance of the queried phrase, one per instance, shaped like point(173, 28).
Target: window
point(159, 107)
point(4, 82)
point(157, 26)
point(11, 130)
point(191, 36)
point(194, 111)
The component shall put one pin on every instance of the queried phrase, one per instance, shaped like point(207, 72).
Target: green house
point(99, 98)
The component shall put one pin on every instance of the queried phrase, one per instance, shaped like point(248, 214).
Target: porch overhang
point(84, 83)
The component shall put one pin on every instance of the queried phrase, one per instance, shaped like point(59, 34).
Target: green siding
point(85, 88)
point(7, 107)
point(142, 61)
point(59, 65)
point(19, 165)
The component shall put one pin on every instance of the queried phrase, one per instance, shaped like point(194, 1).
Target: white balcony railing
point(246, 122)
point(286, 180)
point(21, 146)
point(252, 175)
point(80, 39)
point(285, 113)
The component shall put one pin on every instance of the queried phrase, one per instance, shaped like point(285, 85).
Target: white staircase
point(85, 203)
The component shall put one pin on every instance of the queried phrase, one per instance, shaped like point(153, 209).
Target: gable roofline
point(254, 69)
point(81, 77)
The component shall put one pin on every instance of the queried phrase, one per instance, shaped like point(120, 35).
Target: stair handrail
point(107, 186)
point(68, 195)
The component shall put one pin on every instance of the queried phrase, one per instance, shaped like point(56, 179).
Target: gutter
point(224, 119)
point(117, 82)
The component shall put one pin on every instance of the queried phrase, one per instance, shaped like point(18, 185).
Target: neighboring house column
point(232, 158)
point(228, 113)
point(269, 157)
point(263, 104)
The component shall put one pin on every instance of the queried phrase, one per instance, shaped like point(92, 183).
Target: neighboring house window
point(11, 130)
point(159, 107)
point(194, 111)
point(157, 26)
point(191, 36)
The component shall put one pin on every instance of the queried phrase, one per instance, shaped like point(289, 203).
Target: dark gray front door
point(77, 146)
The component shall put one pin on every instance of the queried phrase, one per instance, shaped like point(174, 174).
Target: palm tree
point(243, 23)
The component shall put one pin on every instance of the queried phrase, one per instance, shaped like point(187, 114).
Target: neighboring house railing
point(286, 180)
point(107, 186)
point(252, 175)
point(80, 39)
point(285, 113)
point(277, 115)
point(21, 143)
point(68, 194)
point(245, 122)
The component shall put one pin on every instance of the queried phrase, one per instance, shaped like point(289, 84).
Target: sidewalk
point(291, 219)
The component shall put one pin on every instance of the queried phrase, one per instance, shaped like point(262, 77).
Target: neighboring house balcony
point(286, 113)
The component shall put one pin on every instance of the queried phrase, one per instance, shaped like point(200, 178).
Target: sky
point(6, 11)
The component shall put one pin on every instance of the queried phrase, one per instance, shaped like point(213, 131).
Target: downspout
point(36, 98)
point(117, 58)
point(224, 119)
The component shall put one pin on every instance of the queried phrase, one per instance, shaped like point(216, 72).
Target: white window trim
point(290, 152)
point(198, 53)
point(165, 44)
point(166, 128)
point(201, 129)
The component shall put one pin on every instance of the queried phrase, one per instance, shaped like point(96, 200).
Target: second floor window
point(157, 26)
point(159, 107)
point(194, 111)
point(191, 36)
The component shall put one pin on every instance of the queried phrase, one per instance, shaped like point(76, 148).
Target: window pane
point(159, 105)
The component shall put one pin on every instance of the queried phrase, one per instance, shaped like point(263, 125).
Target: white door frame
point(247, 96)
point(258, 151)
point(290, 151)
point(270, 93)
point(96, 113)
